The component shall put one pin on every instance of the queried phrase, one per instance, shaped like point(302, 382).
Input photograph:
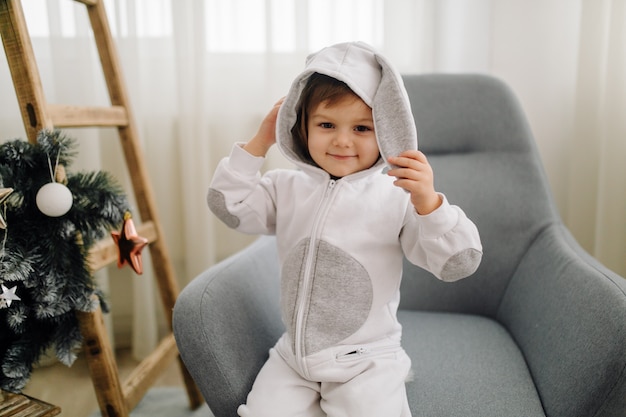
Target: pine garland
point(45, 257)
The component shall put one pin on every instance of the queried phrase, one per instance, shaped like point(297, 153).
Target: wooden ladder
point(115, 398)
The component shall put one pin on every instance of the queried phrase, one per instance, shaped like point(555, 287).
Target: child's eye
point(326, 125)
point(362, 128)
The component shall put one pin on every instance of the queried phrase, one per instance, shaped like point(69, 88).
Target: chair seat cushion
point(465, 366)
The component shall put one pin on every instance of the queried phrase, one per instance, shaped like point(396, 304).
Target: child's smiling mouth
point(341, 157)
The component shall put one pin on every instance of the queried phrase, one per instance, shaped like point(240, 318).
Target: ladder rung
point(23, 405)
point(87, 2)
point(148, 370)
point(80, 116)
point(105, 252)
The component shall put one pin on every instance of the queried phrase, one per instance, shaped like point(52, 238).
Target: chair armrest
point(568, 315)
point(226, 320)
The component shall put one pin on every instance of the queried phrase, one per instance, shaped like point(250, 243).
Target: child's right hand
point(266, 135)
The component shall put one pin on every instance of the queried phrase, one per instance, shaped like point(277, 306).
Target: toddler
point(361, 199)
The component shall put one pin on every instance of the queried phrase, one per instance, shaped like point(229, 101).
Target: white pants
point(363, 385)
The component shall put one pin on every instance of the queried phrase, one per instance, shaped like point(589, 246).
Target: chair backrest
point(475, 135)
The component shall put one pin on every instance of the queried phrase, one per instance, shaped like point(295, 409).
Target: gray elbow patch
point(461, 265)
point(217, 204)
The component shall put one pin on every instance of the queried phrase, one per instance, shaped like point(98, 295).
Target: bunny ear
point(391, 109)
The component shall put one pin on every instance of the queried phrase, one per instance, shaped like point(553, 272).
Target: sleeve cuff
point(245, 162)
point(440, 221)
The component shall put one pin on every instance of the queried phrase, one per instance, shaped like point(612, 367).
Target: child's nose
point(342, 138)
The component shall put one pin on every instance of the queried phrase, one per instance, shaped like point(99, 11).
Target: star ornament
point(129, 245)
point(8, 296)
point(4, 194)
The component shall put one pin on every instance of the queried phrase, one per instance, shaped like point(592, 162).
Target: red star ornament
point(129, 245)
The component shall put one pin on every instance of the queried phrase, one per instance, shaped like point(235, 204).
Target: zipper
point(360, 351)
point(306, 282)
point(363, 351)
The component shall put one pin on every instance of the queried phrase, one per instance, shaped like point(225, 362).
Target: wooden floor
point(71, 388)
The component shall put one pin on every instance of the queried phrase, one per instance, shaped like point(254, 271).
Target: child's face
point(341, 136)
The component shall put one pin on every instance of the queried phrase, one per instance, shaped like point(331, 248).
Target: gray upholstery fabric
point(466, 365)
point(225, 322)
point(538, 330)
point(484, 159)
point(567, 314)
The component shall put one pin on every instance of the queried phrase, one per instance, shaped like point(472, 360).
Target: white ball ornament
point(54, 199)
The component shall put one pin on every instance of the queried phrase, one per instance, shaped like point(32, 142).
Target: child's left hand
point(415, 175)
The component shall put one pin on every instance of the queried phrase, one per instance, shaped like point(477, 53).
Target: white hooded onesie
point(340, 244)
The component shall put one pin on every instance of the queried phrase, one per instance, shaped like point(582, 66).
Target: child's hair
point(318, 89)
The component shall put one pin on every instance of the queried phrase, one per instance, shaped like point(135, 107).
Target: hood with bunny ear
point(373, 79)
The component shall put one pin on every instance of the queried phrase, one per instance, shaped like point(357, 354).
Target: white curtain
point(202, 74)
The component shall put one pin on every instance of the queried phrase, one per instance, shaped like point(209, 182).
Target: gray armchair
point(538, 330)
